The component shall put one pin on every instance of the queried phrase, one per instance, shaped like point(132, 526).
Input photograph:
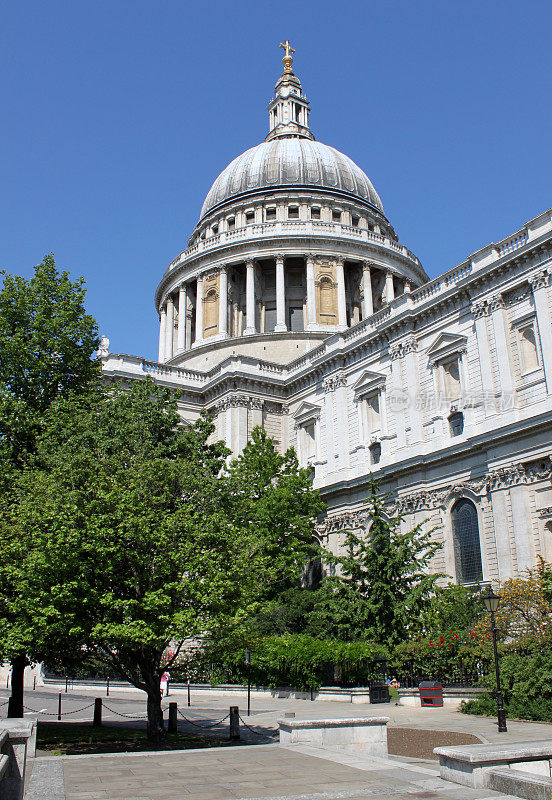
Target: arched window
point(467, 547)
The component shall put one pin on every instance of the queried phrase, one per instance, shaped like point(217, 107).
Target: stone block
point(363, 734)
point(521, 784)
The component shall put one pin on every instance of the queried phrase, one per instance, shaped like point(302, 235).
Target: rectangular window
point(293, 212)
point(336, 215)
point(373, 416)
point(451, 380)
point(249, 217)
point(231, 223)
point(315, 213)
point(308, 445)
point(215, 230)
point(270, 319)
point(270, 214)
point(529, 357)
point(355, 221)
point(296, 318)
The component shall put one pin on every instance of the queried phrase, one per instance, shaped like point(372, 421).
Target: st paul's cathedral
point(296, 307)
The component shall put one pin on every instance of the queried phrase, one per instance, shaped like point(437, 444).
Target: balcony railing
point(291, 228)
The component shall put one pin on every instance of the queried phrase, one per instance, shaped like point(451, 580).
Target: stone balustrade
point(287, 228)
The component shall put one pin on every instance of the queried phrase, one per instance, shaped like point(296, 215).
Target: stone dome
point(293, 163)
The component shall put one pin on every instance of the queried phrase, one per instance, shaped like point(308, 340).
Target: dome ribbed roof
point(291, 162)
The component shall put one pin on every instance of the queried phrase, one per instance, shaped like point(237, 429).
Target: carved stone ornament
point(540, 279)
point(235, 400)
point(545, 512)
point(335, 382)
point(479, 309)
point(402, 349)
point(427, 499)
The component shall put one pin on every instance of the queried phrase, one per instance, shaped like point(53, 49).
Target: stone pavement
point(266, 711)
point(293, 772)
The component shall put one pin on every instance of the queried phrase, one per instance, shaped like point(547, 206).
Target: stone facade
point(295, 307)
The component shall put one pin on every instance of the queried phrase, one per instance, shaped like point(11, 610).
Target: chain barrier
point(4, 704)
point(249, 728)
point(120, 714)
point(202, 726)
point(55, 713)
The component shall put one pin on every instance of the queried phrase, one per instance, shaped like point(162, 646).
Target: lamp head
point(491, 600)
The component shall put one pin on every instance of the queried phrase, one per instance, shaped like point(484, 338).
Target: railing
point(290, 228)
point(517, 241)
point(155, 368)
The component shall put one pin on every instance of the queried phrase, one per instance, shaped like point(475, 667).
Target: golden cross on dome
point(287, 47)
point(287, 59)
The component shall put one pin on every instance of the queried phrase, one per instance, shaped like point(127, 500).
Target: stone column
point(496, 306)
point(223, 302)
point(410, 351)
point(182, 309)
point(169, 330)
point(539, 284)
point(341, 302)
point(479, 312)
point(389, 288)
point(199, 311)
point(280, 296)
point(311, 294)
point(162, 329)
point(249, 299)
point(368, 301)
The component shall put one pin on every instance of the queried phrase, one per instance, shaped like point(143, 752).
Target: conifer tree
point(382, 584)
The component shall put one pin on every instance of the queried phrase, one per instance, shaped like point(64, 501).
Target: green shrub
point(292, 660)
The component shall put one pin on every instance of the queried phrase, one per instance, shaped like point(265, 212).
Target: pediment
point(306, 412)
point(368, 381)
point(446, 344)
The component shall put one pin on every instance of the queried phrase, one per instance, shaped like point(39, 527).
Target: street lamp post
point(248, 662)
point(491, 601)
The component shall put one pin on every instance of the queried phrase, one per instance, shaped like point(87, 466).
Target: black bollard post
point(234, 723)
point(59, 705)
point(107, 688)
point(188, 679)
point(34, 683)
point(97, 723)
point(173, 725)
point(66, 683)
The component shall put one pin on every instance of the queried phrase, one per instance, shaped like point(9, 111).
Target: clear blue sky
point(119, 115)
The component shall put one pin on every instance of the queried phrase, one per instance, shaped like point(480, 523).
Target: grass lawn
point(72, 738)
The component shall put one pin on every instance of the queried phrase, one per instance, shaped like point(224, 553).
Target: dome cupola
point(289, 109)
point(292, 245)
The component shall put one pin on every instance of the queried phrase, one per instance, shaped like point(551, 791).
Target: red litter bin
point(431, 694)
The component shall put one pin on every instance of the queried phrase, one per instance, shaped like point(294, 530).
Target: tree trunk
point(15, 704)
point(156, 724)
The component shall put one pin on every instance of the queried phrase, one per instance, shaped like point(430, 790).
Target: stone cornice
point(438, 498)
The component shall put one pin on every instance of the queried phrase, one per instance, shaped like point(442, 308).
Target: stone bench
point(362, 734)
point(17, 742)
point(472, 764)
point(508, 780)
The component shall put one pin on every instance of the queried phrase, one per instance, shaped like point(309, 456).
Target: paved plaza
point(295, 772)
point(291, 772)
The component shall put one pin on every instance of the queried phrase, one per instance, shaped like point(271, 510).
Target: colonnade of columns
point(191, 301)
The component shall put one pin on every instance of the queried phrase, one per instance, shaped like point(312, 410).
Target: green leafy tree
point(128, 550)
point(383, 585)
point(46, 344)
point(137, 538)
point(271, 499)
